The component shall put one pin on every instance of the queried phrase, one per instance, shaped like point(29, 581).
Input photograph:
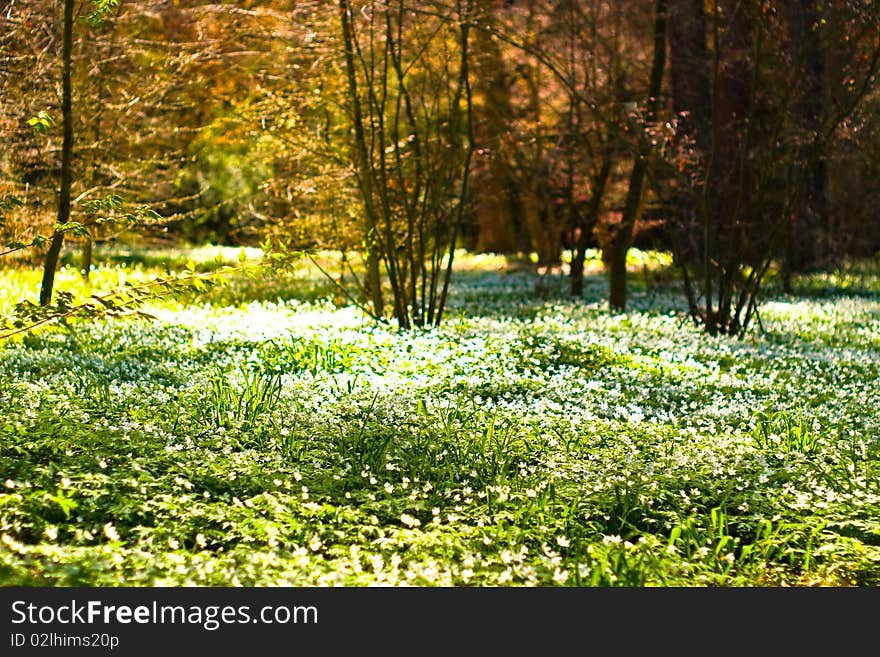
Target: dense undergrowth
point(261, 435)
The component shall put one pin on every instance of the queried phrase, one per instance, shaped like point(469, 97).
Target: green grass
point(261, 434)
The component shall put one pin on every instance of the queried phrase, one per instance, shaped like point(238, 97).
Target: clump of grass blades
point(240, 402)
point(785, 432)
point(309, 354)
point(451, 443)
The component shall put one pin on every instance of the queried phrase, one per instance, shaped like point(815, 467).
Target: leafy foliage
point(41, 123)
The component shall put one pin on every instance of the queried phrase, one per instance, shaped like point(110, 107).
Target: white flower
point(409, 521)
point(110, 532)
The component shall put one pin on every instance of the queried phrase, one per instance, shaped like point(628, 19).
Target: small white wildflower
point(409, 521)
point(110, 532)
point(560, 576)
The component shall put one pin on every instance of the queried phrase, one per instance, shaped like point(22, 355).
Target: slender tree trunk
point(689, 77)
point(497, 230)
point(623, 236)
point(86, 257)
point(689, 58)
point(806, 238)
point(464, 93)
point(600, 181)
point(362, 160)
point(54, 251)
point(544, 231)
point(737, 236)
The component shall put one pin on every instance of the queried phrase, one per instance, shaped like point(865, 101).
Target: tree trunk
point(54, 251)
point(689, 69)
point(689, 77)
point(86, 259)
point(737, 238)
point(597, 194)
point(623, 235)
point(806, 230)
point(497, 229)
point(362, 160)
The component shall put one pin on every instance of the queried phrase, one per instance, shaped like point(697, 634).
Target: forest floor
point(260, 434)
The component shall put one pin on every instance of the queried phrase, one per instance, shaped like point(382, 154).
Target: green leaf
point(41, 122)
point(100, 10)
point(67, 504)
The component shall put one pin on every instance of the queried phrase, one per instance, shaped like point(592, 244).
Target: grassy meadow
point(261, 434)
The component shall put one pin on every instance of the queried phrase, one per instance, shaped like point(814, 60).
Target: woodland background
point(742, 137)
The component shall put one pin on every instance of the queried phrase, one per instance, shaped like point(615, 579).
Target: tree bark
point(362, 160)
point(622, 239)
point(497, 229)
point(689, 72)
point(689, 77)
point(732, 216)
point(597, 194)
point(51, 263)
point(806, 238)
